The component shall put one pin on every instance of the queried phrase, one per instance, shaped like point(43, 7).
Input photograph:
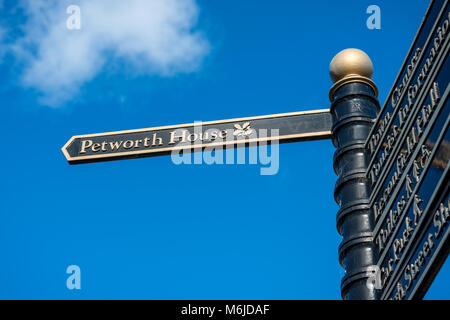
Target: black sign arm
point(193, 137)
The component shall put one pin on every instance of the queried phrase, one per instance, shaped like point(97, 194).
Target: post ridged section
point(354, 108)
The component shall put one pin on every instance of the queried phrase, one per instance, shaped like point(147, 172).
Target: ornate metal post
point(354, 106)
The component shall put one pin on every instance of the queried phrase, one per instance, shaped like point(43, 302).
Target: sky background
point(147, 228)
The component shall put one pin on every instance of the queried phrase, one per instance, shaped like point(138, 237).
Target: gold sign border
point(321, 134)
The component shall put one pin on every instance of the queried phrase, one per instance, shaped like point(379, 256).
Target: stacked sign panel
point(409, 147)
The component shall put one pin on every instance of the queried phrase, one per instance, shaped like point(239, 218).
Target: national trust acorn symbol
point(243, 131)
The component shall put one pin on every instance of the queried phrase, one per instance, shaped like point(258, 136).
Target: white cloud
point(153, 36)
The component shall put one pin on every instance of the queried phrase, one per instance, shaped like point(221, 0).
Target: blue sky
point(146, 228)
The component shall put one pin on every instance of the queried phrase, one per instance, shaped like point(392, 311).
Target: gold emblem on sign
point(242, 131)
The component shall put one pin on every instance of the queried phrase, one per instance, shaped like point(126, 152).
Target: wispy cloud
point(2, 30)
point(153, 36)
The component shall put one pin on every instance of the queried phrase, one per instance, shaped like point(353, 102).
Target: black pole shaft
point(354, 106)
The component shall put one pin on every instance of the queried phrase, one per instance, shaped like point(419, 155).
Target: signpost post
point(393, 172)
point(354, 106)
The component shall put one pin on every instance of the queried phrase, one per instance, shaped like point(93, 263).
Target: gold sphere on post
point(351, 65)
point(350, 62)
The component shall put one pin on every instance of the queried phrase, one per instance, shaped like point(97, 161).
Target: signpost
point(393, 172)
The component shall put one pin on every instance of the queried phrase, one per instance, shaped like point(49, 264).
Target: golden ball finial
point(350, 62)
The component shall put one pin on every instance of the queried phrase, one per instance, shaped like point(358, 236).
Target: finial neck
point(352, 78)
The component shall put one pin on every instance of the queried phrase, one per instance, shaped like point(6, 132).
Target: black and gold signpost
point(392, 162)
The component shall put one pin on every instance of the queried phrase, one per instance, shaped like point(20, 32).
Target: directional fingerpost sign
point(286, 127)
point(392, 162)
point(408, 171)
